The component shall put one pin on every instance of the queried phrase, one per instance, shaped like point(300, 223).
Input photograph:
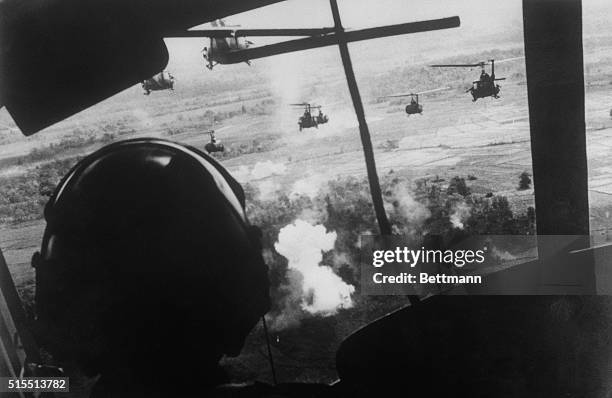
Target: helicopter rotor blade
point(459, 65)
point(331, 39)
point(398, 95)
point(435, 90)
point(413, 94)
point(497, 78)
point(224, 32)
point(328, 104)
point(284, 32)
point(509, 59)
point(212, 33)
point(223, 128)
point(481, 63)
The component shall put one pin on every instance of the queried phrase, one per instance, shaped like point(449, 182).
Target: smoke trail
point(286, 77)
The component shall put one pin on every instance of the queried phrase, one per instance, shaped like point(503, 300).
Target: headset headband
point(208, 163)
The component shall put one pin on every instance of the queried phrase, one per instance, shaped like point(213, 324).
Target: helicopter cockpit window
point(597, 32)
point(453, 157)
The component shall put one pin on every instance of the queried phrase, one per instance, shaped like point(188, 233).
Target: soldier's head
point(148, 263)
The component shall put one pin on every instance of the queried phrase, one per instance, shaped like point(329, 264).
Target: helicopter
point(414, 107)
point(161, 81)
point(219, 47)
point(230, 46)
point(213, 145)
point(485, 86)
point(308, 120)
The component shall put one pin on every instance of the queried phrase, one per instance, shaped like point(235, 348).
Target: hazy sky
point(494, 15)
point(363, 13)
point(485, 14)
point(478, 17)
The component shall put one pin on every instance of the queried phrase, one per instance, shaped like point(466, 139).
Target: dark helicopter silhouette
point(414, 107)
point(308, 120)
point(220, 46)
point(213, 145)
point(485, 86)
point(161, 81)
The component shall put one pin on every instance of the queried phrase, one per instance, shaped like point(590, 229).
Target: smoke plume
point(461, 212)
point(399, 201)
point(315, 286)
point(260, 170)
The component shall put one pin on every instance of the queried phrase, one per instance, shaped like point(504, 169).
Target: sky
point(477, 17)
point(489, 19)
point(365, 13)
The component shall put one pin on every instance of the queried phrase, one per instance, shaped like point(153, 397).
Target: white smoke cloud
point(461, 212)
point(340, 259)
point(401, 201)
point(322, 291)
point(309, 186)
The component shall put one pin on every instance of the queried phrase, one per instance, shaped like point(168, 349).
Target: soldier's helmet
point(148, 263)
